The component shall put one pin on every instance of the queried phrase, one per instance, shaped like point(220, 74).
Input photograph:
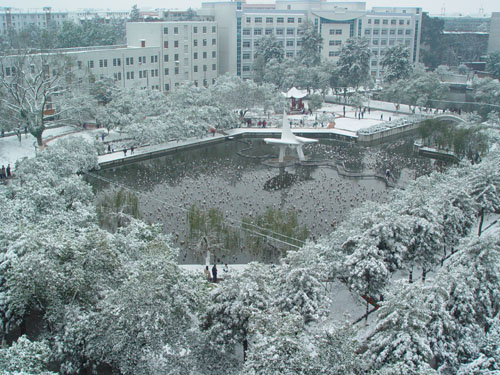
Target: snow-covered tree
point(485, 187)
point(354, 63)
point(396, 63)
point(29, 85)
point(493, 64)
point(400, 335)
point(26, 357)
point(310, 52)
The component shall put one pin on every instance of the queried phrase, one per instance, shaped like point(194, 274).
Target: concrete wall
point(494, 38)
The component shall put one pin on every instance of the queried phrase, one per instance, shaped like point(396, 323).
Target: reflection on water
point(285, 179)
point(216, 176)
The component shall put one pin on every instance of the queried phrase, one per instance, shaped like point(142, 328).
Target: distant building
point(494, 37)
point(241, 26)
point(17, 19)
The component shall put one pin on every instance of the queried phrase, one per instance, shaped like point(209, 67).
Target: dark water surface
point(216, 176)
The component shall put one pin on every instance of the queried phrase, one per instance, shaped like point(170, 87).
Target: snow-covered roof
point(296, 93)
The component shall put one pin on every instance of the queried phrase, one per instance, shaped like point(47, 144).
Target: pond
point(236, 178)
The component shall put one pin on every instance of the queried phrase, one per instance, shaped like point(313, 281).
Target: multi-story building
point(387, 27)
point(241, 26)
point(494, 36)
point(159, 56)
point(17, 20)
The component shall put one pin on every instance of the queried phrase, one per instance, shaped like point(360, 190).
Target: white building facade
point(241, 25)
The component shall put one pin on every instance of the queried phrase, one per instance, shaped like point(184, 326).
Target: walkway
point(147, 152)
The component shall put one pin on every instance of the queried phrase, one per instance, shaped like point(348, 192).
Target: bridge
point(448, 117)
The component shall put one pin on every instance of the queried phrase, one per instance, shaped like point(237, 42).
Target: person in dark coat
point(214, 273)
point(8, 170)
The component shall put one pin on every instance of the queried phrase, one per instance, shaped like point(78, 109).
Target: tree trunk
point(424, 274)
point(39, 140)
point(245, 348)
point(410, 278)
point(481, 219)
point(367, 308)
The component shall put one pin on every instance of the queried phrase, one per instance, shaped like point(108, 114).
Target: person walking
point(207, 273)
point(8, 171)
point(214, 273)
point(125, 152)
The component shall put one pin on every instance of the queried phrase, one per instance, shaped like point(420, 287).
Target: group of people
point(5, 172)
point(213, 277)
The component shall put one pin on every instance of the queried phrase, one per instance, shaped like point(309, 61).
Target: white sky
point(464, 7)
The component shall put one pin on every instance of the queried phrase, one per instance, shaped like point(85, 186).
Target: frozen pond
point(217, 176)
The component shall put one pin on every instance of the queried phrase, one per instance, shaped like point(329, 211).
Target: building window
point(176, 30)
point(214, 66)
point(246, 56)
point(195, 83)
point(204, 68)
point(384, 31)
point(393, 22)
point(369, 21)
point(195, 42)
point(269, 32)
point(195, 29)
point(204, 55)
point(195, 68)
point(246, 32)
point(368, 31)
point(385, 22)
point(280, 20)
point(408, 32)
point(246, 68)
point(289, 43)
point(176, 44)
point(214, 54)
point(257, 31)
point(165, 30)
point(249, 20)
point(299, 20)
point(214, 41)
point(269, 20)
point(400, 31)
point(140, 74)
point(91, 63)
point(166, 71)
point(258, 20)
point(289, 54)
point(167, 87)
point(290, 20)
point(376, 31)
point(176, 57)
point(401, 22)
point(374, 62)
point(204, 29)
point(335, 42)
point(165, 58)
point(165, 44)
point(290, 31)
point(154, 59)
point(79, 63)
point(195, 55)
point(383, 42)
point(176, 70)
point(214, 29)
point(377, 22)
point(204, 42)
point(299, 43)
point(279, 31)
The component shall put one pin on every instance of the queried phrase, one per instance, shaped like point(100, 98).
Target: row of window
point(387, 31)
point(155, 73)
point(335, 31)
point(376, 21)
point(195, 56)
point(270, 31)
point(248, 43)
point(391, 42)
point(271, 19)
point(204, 43)
point(195, 29)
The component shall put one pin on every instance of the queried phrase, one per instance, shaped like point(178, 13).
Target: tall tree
point(493, 64)
point(432, 41)
point(30, 84)
point(135, 15)
point(354, 62)
point(396, 63)
point(311, 39)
